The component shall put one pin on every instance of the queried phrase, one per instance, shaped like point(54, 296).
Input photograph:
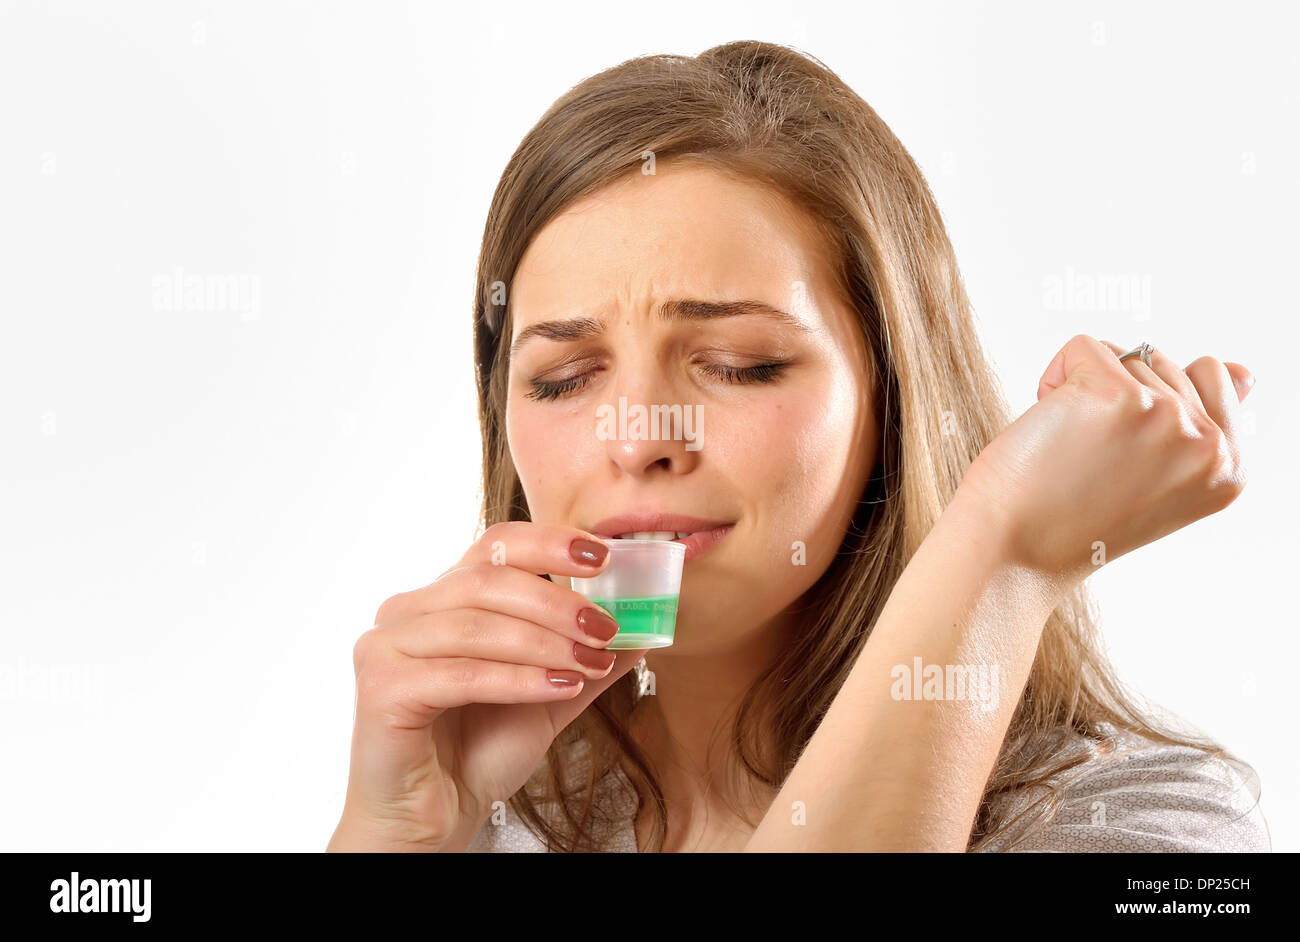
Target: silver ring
point(1143, 350)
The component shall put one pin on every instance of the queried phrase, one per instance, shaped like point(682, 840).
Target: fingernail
point(596, 660)
point(587, 552)
point(564, 678)
point(597, 624)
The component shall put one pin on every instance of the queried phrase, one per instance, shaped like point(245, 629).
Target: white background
point(200, 510)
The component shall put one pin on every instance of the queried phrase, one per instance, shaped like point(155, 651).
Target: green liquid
point(642, 622)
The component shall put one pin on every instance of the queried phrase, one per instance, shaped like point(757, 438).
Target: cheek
point(543, 449)
point(798, 456)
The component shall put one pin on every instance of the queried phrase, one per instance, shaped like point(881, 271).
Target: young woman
point(739, 234)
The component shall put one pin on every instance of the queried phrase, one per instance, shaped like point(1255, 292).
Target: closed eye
point(760, 373)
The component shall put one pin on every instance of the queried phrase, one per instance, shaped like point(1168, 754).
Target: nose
point(649, 456)
point(645, 435)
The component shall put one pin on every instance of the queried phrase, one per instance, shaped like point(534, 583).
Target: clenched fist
point(1116, 453)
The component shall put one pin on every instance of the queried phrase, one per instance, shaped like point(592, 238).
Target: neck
point(685, 728)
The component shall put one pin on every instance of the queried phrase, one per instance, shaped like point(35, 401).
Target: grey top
point(1152, 798)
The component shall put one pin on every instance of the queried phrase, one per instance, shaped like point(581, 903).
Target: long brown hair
point(783, 119)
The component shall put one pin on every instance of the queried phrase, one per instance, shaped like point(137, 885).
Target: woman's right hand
point(456, 702)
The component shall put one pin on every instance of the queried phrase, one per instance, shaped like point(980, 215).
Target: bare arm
point(1106, 436)
point(887, 774)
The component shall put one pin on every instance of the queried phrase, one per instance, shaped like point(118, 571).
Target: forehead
point(687, 231)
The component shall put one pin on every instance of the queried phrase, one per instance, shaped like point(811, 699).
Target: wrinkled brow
point(681, 309)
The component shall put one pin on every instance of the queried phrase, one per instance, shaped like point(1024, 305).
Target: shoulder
point(1149, 796)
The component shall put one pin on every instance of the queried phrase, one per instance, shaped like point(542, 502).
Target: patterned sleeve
point(1155, 799)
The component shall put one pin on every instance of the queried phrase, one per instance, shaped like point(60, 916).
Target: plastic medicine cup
point(639, 587)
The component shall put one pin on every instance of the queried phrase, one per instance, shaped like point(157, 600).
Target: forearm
point(887, 773)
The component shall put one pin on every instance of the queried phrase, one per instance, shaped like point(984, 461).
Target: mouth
point(696, 534)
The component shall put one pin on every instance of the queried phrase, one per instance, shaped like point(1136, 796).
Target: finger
point(1171, 373)
point(1152, 376)
point(1217, 392)
point(520, 594)
point(412, 690)
point(539, 548)
point(520, 544)
point(1081, 354)
point(491, 636)
point(563, 712)
point(1242, 378)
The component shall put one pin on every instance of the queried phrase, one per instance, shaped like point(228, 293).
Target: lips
point(700, 534)
point(700, 542)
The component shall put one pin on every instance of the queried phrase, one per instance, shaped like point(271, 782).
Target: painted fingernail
point(596, 660)
point(564, 678)
point(597, 624)
point(588, 552)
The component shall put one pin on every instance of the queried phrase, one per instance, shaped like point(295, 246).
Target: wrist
point(985, 524)
point(356, 834)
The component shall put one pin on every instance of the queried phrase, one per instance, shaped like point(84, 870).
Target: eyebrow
point(678, 310)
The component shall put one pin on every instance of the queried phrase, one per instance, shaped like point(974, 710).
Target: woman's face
point(783, 453)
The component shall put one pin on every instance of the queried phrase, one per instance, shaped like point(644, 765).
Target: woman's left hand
point(1112, 456)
